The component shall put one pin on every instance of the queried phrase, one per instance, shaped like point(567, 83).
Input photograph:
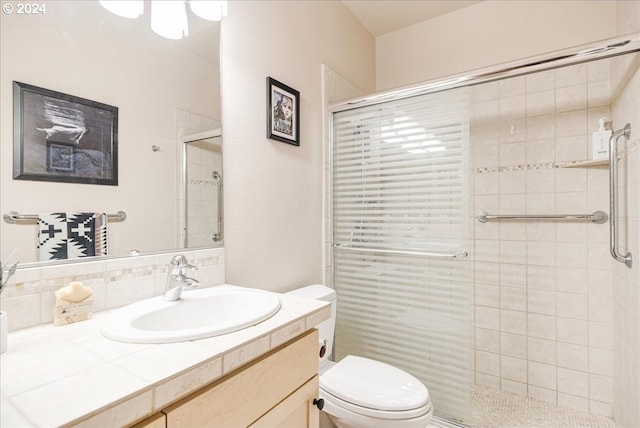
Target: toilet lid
point(375, 385)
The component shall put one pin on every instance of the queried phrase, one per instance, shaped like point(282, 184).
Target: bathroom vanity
point(261, 376)
point(276, 390)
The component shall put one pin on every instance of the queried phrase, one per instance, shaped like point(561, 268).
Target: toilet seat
point(375, 389)
point(337, 406)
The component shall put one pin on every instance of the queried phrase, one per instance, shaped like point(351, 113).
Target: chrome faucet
point(177, 280)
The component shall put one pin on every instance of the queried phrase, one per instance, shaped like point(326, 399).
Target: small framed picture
point(64, 138)
point(283, 113)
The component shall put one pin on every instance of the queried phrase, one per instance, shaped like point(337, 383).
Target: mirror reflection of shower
point(202, 207)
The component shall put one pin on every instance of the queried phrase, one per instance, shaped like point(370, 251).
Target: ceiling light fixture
point(209, 10)
point(127, 9)
point(168, 17)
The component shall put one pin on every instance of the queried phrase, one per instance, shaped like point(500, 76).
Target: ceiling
point(378, 16)
point(384, 16)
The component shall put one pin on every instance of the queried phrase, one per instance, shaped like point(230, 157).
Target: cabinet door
point(243, 396)
point(159, 420)
point(295, 411)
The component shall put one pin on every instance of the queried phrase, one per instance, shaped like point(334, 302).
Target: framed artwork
point(60, 137)
point(283, 113)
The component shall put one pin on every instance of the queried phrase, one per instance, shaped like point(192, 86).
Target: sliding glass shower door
point(401, 235)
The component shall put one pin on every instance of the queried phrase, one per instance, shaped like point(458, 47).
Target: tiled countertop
point(72, 375)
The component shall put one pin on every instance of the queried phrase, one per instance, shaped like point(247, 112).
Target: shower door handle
point(613, 195)
point(404, 252)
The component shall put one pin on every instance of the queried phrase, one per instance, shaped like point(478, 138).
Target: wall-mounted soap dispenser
point(600, 142)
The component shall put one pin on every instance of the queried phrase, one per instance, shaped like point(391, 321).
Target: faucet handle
point(178, 260)
point(181, 261)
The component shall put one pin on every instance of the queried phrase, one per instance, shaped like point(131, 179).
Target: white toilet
point(363, 393)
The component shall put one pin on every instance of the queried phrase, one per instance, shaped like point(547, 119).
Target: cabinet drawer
point(243, 396)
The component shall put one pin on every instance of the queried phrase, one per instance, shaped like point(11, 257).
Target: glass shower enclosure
point(470, 236)
point(400, 215)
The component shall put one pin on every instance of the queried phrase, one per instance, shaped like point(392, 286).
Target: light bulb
point(209, 10)
point(169, 19)
point(125, 8)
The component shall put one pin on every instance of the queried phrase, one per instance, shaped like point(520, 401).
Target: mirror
point(163, 89)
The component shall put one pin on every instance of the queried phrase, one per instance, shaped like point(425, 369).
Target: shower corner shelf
point(586, 163)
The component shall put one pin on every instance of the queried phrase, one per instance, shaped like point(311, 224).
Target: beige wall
point(273, 191)
point(78, 48)
point(488, 33)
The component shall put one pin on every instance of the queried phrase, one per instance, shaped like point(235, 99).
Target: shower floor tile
point(493, 408)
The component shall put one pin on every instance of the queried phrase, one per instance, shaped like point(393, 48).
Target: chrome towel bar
point(596, 217)
point(407, 252)
point(613, 195)
point(13, 217)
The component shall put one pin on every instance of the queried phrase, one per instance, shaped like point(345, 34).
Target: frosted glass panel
point(400, 230)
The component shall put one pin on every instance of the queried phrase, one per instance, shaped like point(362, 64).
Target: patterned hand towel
point(71, 235)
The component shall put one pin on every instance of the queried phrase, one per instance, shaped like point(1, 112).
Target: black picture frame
point(63, 138)
point(283, 113)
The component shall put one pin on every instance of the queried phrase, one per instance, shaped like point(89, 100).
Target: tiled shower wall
point(543, 289)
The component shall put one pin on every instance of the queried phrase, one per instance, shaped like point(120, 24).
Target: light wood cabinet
point(276, 390)
point(295, 411)
point(159, 420)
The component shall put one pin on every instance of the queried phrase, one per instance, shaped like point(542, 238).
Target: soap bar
point(73, 303)
point(74, 293)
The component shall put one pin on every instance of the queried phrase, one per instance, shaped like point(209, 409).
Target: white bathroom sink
point(200, 313)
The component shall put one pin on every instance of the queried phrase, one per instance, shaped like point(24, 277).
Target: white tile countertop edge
point(72, 375)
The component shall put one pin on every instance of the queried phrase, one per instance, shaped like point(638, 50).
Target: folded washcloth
point(71, 235)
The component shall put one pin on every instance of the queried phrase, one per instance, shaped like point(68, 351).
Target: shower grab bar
point(613, 195)
point(598, 217)
point(13, 217)
point(409, 252)
point(217, 179)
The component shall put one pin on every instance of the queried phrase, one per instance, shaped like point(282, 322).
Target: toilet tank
point(325, 328)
